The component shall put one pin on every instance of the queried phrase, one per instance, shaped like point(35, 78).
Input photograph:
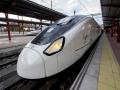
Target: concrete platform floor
point(104, 71)
point(5, 43)
point(5, 34)
point(109, 74)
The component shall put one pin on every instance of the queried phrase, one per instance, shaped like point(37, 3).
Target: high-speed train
point(57, 47)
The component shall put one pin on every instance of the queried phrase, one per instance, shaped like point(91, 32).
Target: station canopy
point(23, 21)
point(29, 9)
point(110, 12)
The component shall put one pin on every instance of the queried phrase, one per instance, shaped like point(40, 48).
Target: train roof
point(80, 16)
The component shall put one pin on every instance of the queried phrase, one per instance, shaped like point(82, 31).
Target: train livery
point(57, 47)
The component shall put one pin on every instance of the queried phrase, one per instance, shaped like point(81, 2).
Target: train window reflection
point(50, 29)
point(65, 20)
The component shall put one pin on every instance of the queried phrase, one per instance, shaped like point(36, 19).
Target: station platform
point(16, 41)
point(13, 34)
point(103, 72)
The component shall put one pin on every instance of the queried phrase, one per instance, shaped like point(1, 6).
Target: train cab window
point(50, 32)
point(45, 37)
point(54, 31)
point(65, 20)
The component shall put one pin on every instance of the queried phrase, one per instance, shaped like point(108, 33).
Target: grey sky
point(82, 7)
point(68, 6)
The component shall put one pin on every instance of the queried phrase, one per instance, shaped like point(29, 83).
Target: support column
point(118, 34)
point(19, 26)
point(8, 26)
point(22, 26)
point(29, 27)
point(35, 26)
point(117, 30)
point(51, 22)
point(112, 29)
point(41, 24)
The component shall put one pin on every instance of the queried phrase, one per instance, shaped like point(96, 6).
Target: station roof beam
point(23, 21)
point(29, 9)
point(110, 11)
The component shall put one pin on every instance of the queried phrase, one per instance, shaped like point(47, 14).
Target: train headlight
point(55, 47)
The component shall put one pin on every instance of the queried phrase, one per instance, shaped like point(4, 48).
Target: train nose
point(30, 64)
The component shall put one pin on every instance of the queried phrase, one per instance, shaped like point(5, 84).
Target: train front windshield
point(54, 31)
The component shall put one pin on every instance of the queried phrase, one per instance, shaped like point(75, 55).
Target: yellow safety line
point(109, 75)
point(115, 59)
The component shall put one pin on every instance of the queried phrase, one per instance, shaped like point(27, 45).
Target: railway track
point(9, 80)
point(4, 62)
point(8, 74)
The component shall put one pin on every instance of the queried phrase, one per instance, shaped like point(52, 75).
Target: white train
point(57, 47)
